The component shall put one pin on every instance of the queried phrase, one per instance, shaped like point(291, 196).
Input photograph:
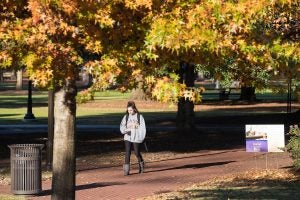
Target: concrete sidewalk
point(164, 176)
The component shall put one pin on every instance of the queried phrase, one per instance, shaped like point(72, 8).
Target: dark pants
point(137, 151)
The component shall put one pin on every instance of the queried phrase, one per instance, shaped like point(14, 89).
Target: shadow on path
point(195, 166)
point(85, 187)
point(163, 160)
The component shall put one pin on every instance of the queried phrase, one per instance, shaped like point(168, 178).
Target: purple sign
point(264, 137)
point(254, 145)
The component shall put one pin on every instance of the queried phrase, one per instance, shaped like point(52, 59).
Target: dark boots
point(141, 167)
point(126, 168)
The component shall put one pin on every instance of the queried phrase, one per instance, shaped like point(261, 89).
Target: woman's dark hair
point(133, 106)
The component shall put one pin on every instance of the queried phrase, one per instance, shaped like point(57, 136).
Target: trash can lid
point(25, 145)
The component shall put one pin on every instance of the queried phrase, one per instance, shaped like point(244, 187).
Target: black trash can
point(26, 173)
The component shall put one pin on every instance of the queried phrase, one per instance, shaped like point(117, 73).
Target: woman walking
point(134, 130)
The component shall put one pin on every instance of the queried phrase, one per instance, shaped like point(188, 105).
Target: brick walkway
point(163, 176)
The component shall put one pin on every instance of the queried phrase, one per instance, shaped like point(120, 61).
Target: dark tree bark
point(63, 181)
point(1, 76)
point(50, 128)
point(185, 112)
point(248, 93)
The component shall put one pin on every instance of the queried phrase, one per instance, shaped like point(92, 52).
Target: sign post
point(265, 138)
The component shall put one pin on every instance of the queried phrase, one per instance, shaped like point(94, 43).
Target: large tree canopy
point(118, 40)
point(53, 38)
point(246, 39)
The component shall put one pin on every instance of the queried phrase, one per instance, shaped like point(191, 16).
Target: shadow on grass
point(21, 101)
point(162, 141)
point(266, 118)
point(106, 143)
point(8, 115)
point(211, 138)
point(247, 189)
point(19, 120)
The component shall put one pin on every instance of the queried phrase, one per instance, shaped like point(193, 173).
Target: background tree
point(181, 36)
point(235, 38)
point(12, 46)
point(259, 47)
point(52, 41)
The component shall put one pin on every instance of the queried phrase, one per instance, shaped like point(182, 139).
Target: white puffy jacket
point(135, 131)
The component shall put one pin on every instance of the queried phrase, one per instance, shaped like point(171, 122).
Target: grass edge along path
point(283, 184)
point(11, 197)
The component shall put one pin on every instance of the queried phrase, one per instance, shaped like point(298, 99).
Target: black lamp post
point(29, 115)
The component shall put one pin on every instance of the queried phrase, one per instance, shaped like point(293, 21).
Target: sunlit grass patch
point(11, 197)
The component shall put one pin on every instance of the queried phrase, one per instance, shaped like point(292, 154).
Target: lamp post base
point(29, 117)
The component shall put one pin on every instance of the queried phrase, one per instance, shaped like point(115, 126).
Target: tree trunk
point(13, 75)
point(248, 93)
point(138, 93)
point(63, 181)
point(19, 84)
point(185, 112)
point(1, 76)
point(50, 128)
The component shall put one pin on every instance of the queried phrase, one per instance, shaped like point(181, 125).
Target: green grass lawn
point(107, 108)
